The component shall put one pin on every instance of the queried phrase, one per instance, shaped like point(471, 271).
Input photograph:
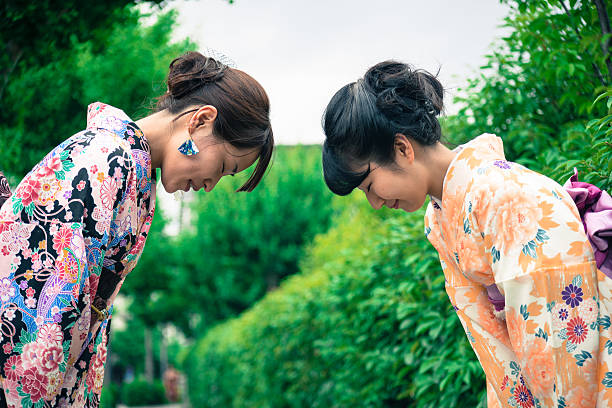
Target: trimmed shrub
point(367, 323)
point(141, 392)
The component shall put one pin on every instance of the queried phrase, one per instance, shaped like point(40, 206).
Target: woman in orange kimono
point(502, 231)
point(76, 225)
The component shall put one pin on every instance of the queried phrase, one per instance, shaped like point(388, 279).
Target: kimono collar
point(107, 117)
point(478, 151)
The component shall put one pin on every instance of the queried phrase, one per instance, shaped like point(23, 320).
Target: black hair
point(243, 108)
point(363, 117)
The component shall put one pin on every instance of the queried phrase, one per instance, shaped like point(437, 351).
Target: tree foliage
point(540, 81)
point(367, 323)
point(236, 247)
point(47, 102)
point(46, 30)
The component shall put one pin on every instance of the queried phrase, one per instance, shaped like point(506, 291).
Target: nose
point(375, 201)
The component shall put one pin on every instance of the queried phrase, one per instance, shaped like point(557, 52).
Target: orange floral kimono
point(502, 224)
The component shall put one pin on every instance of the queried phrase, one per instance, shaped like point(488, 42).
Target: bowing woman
point(76, 225)
point(506, 236)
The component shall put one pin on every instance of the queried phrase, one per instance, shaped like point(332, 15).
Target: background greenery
point(286, 296)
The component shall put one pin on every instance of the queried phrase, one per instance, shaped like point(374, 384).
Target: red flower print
point(51, 358)
point(505, 382)
point(12, 368)
point(34, 384)
point(576, 330)
point(28, 191)
point(29, 292)
point(523, 396)
point(81, 185)
point(93, 169)
point(53, 165)
point(7, 348)
point(62, 238)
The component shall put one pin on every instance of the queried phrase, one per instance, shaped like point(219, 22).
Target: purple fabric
point(496, 298)
point(595, 207)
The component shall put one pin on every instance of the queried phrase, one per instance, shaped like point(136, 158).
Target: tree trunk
point(604, 22)
point(148, 355)
point(163, 351)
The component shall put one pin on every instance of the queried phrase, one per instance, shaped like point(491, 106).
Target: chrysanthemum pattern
point(55, 252)
point(558, 304)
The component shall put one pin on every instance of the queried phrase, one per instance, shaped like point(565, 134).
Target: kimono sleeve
point(541, 261)
point(63, 211)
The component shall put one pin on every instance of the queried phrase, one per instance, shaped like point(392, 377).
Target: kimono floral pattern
point(499, 223)
point(72, 230)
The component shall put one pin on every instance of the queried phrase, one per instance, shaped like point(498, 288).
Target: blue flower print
point(572, 295)
point(563, 313)
point(502, 164)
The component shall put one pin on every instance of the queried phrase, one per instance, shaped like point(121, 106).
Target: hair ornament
point(219, 57)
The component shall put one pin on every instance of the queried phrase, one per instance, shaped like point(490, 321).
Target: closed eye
point(234, 171)
point(369, 185)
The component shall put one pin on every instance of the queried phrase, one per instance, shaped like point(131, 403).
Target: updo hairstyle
point(363, 117)
point(243, 108)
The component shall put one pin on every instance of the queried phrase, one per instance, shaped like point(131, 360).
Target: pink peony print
point(518, 216)
point(34, 383)
point(472, 260)
point(51, 357)
point(582, 397)
point(538, 367)
point(48, 169)
point(28, 191)
point(30, 357)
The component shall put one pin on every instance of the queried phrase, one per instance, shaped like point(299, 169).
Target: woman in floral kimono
point(503, 232)
point(76, 224)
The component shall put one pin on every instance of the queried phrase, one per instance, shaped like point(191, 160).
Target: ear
point(205, 116)
point(404, 148)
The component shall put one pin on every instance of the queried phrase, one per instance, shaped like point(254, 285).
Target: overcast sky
point(302, 52)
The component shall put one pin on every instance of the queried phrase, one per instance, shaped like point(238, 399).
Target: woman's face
point(204, 169)
point(400, 185)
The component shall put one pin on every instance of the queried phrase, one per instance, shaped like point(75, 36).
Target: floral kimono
point(72, 230)
point(502, 224)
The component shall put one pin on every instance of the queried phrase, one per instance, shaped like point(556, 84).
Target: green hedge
point(366, 324)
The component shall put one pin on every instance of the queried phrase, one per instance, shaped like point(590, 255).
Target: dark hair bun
point(191, 71)
point(410, 99)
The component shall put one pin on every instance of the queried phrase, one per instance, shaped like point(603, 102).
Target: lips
point(395, 205)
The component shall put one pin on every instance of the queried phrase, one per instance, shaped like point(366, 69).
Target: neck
point(157, 129)
point(439, 158)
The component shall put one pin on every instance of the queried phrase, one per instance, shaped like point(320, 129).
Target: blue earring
point(189, 148)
